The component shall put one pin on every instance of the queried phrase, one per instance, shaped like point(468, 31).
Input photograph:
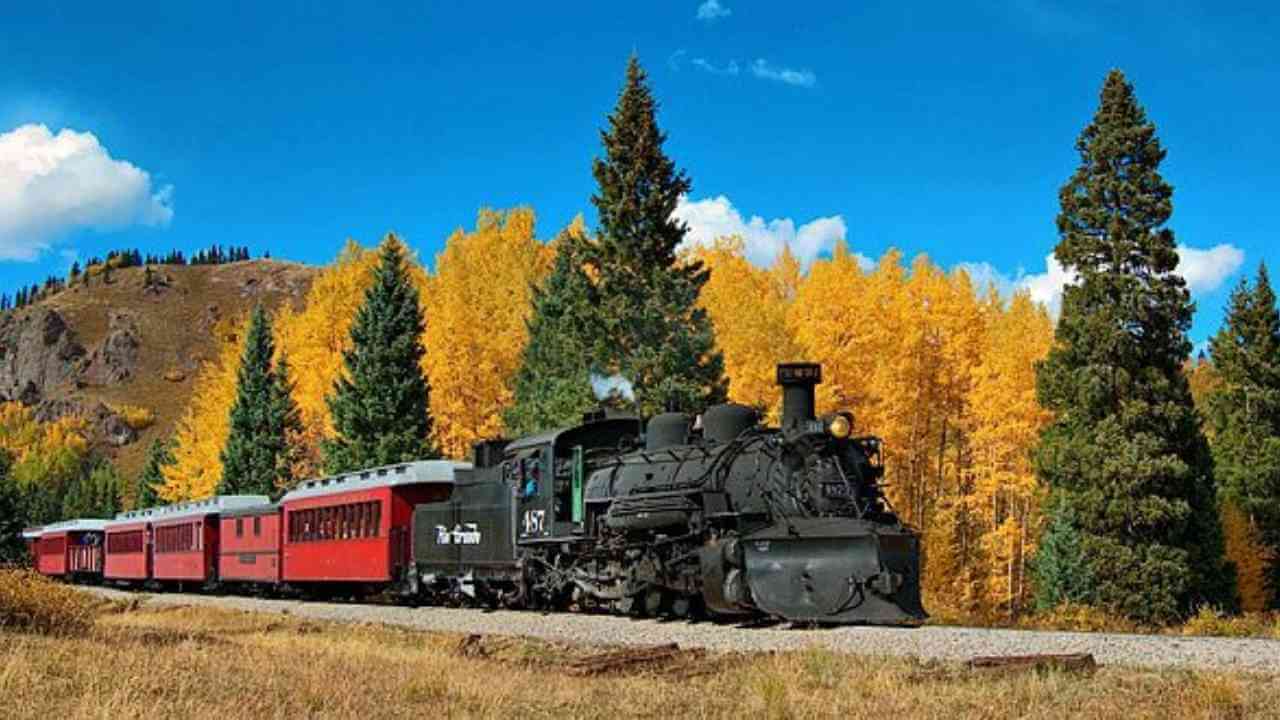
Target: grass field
point(183, 662)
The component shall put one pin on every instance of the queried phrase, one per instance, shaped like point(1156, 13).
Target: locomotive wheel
point(656, 601)
point(682, 606)
point(626, 606)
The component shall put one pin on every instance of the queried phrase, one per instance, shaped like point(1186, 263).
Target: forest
point(1080, 459)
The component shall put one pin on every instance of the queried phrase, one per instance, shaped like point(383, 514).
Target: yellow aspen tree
point(1247, 552)
point(477, 306)
point(748, 309)
point(1007, 424)
point(940, 330)
point(202, 430)
point(786, 274)
point(42, 452)
point(834, 322)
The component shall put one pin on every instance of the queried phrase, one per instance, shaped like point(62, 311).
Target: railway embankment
point(929, 643)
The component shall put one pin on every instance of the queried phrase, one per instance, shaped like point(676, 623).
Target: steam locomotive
point(722, 515)
point(681, 517)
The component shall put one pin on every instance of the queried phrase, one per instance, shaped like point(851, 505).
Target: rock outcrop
point(39, 354)
point(115, 359)
point(106, 426)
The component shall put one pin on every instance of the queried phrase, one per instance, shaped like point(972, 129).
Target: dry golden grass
point(33, 603)
point(207, 663)
point(1212, 622)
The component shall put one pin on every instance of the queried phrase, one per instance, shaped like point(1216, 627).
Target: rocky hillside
point(94, 350)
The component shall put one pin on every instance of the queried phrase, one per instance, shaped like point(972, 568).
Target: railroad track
point(926, 643)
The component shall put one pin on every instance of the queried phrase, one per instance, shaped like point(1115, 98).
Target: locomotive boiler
point(681, 516)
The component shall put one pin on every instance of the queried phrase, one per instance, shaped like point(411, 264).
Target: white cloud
point(51, 184)
point(1046, 287)
point(802, 78)
point(714, 218)
point(702, 64)
point(1204, 271)
point(712, 10)
point(983, 274)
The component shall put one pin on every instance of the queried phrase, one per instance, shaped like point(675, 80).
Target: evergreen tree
point(12, 515)
point(553, 386)
point(286, 415)
point(1244, 411)
point(379, 405)
point(159, 456)
point(95, 494)
point(653, 331)
point(256, 458)
point(1126, 461)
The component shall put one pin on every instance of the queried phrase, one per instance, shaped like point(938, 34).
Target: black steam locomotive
point(717, 515)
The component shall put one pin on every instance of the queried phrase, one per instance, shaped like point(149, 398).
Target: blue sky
point(934, 128)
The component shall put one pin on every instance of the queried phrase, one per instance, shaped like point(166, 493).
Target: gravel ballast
point(928, 643)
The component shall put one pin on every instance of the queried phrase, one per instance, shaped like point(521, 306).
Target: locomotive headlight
point(839, 427)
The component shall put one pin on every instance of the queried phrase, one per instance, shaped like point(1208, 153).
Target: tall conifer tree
point(380, 404)
point(553, 386)
point(1126, 461)
point(256, 457)
point(1244, 411)
point(653, 332)
point(159, 456)
point(95, 494)
point(12, 514)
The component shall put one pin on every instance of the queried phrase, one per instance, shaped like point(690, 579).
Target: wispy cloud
point(761, 68)
point(716, 217)
point(712, 10)
point(706, 66)
point(673, 62)
point(1204, 271)
point(53, 184)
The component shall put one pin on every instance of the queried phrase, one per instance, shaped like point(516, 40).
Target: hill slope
point(90, 350)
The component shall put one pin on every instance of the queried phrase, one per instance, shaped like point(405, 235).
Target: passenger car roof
point(413, 473)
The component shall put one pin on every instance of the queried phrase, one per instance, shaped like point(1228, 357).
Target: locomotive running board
point(835, 570)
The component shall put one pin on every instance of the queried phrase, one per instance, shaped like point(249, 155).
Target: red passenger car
point(72, 548)
point(184, 545)
point(128, 543)
point(249, 544)
point(356, 527)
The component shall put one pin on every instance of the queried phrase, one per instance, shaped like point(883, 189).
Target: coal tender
point(714, 514)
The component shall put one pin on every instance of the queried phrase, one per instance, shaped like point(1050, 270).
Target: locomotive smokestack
point(797, 381)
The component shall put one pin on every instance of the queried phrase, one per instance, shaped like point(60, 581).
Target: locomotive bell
point(797, 381)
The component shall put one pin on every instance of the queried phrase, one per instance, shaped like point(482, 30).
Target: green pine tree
point(1244, 411)
point(256, 458)
point(286, 416)
point(553, 385)
point(379, 405)
point(159, 456)
point(1059, 563)
point(1126, 460)
point(652, 331)
point(12, 515)
point(95, 494)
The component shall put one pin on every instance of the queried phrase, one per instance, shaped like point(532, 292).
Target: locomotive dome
point(667, 430)
point(722, 423)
